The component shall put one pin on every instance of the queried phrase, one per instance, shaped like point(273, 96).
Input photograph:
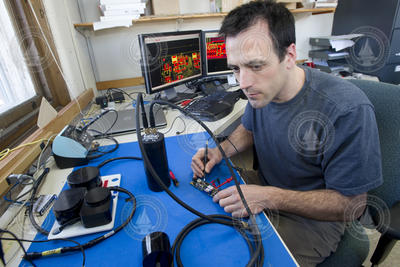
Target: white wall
point(71, 45)
point(116, 51)
point(307, 26)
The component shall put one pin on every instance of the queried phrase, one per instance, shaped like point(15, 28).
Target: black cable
point(114, 122)
point(91, 243)
point(199, 222)
point(85, 128)
point(102, 153)
point(24, 194)
point(144, 117)
point(255, 257)
point(154, 174)
point(113, 159)
point(216, 142)
point(152, 117)
point(227, 138)
point(17, 200)
point(98, 117)
point(19, 240)
point(2, 254)
point(33, 195)
point(239, 169)
point(8, 196)
point(16, 239)
point(172, 125)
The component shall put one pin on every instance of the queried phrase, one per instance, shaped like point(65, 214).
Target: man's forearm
point(239, 140)
point(324, 205)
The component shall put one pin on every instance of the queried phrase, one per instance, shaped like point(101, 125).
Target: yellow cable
point(7, 151)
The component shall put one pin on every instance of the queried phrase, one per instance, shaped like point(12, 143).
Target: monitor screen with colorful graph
point(214, 54)
point(169, 59)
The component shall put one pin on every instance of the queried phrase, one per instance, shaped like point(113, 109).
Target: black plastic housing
point(88, 177)
point(68, 204)
point(156, 250)
point(97, 207)
point(154, 146)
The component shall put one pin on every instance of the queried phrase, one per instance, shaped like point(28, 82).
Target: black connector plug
point(32, 255)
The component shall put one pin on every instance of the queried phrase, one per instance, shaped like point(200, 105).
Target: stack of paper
point(121, 9)
point(325, 3)
point(337, 42)
point(119, 13)
point(331, 57)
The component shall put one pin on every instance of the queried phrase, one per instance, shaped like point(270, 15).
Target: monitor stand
point(173, 96)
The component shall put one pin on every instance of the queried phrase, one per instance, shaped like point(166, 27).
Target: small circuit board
point(202, 185)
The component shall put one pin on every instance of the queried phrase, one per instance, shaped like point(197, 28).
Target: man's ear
point(291, 55)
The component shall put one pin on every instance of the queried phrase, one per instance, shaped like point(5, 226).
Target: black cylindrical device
point(156, 250)
point(154, 146)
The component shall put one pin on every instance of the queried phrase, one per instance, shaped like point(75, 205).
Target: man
point(315, 136)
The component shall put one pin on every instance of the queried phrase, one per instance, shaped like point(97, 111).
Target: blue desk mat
point(211, 244)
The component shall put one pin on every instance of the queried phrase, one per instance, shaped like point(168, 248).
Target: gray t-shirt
point(325, 137)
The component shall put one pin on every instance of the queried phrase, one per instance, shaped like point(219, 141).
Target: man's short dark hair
point(279, 19)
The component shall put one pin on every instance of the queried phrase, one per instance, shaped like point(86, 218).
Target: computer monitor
point(214, 54)
point(170, 59)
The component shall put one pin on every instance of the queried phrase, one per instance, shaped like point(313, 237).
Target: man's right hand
point(214, 157)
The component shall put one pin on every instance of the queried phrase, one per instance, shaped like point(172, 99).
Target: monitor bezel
point(204, 59)
point(145, 68)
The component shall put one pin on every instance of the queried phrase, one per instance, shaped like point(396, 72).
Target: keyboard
point(215, 106)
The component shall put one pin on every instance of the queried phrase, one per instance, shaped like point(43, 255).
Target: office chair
point(352, 249)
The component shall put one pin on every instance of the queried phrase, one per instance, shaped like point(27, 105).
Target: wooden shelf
point(206, 15)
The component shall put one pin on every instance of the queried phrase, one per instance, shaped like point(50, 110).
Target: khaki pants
point(310, 241)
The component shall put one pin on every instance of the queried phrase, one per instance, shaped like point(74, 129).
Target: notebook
point(126, 121)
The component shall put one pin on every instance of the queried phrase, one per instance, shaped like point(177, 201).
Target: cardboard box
point(291, 4)
point(162, 7)
point(189, 7)
point(228, 5)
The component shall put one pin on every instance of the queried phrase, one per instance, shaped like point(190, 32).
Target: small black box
point(102, 101)
point(117, 97)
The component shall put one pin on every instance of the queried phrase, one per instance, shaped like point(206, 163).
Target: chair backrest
point(386, 100)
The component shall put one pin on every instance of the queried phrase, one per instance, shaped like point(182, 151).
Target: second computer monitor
point(214, 54)
point(169, 59)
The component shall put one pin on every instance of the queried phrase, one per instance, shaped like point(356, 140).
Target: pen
point(205, 161)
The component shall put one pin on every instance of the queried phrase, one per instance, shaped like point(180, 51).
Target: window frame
point(17, 122)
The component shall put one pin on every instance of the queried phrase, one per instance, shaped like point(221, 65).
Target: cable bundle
point(256, 248)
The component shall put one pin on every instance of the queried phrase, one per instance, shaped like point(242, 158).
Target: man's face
point(256, 66)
